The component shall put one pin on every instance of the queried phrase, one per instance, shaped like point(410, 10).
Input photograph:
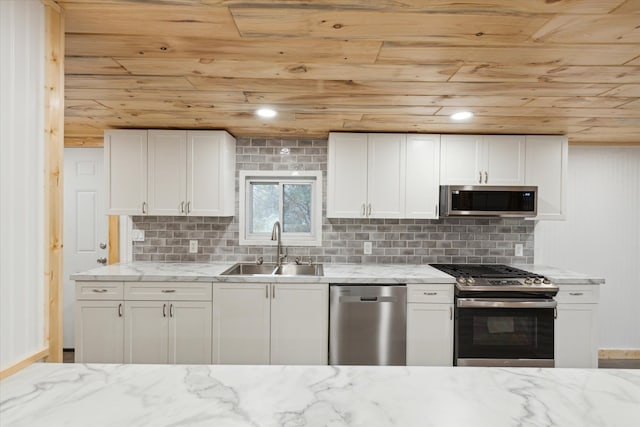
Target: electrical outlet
point(193, 246)
point(368, 248)
point(137, 235)
point(519, 249)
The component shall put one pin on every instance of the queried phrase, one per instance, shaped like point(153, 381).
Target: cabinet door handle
point(164, 310)
point(364, 212)
point(99, 291)
point(576, 294)
point(168, 291)
point(266, 291)
point(480, 177)
point(369, 213)
point(430, 293)
point(188, 208)
point(181, 207)
point(273, 291)
point(486, 177)
point(450, 313)
point(120, 310)
point(144, 207)
point(555, 312)
point(171, 310)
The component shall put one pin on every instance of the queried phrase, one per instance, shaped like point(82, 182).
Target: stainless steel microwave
point(486, 200)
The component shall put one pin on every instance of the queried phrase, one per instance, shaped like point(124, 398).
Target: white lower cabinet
point(168, 332)
point(99, 322)
point(162, 330)
point(430, 325)
point(260, 323)
point(576, 327)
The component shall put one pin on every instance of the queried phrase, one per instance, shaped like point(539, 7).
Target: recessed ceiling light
point(462, 115)
point(266, 112)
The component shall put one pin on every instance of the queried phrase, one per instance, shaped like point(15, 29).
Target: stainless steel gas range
point(504, 316)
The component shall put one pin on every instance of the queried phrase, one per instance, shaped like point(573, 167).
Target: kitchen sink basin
point(300, 270)
point(250, 269)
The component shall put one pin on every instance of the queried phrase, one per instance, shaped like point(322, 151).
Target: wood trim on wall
point(53, 154)
point(23, 363)
point(605, 144)
point(114, 239)
point(619, 353)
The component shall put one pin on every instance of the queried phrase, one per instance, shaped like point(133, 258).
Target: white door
point(546, 167)
point(386, 172)
point(125, 154)
point(347, 175)
point(504, 161)
point(299, 324)
point(422, 180)
point(190, 332)
point(429, 334)
point(576, 336)
point(85, 224)
point(146, 332)
point(167, 172)
point(460, 157)
point(100, 330)
point(241, 323)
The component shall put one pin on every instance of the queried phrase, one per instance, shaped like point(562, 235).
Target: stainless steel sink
point(250, 269)
point(300, 270)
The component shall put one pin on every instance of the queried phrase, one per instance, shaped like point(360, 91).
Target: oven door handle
point(501, 303)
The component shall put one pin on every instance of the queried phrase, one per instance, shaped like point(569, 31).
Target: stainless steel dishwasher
point(367, 324)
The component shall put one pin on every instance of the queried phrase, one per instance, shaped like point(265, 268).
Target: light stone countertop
point(333, 273)
point(70, 395)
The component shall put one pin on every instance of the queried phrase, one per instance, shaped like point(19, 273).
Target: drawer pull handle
point(576, 294)
point(168, 291)
point(430, 293)
point(100, 291)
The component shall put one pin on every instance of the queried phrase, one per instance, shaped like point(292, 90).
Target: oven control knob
point(471, 280)
point(546, 281)
point(461, 280)
point(537, 281)
point(528, 281)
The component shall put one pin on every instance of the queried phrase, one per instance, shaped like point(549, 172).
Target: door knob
point(103, 246)
point(102, 260)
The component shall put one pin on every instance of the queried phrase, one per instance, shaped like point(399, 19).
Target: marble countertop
point(333, 273)
point(72, 395)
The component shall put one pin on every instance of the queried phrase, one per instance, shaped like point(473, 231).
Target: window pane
point(264, 202)
point(297, 208)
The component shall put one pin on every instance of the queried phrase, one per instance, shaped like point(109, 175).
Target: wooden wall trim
point(604, 144)
point(23, 363)
point(53, 152)
point(114, 239)
point(619, 353)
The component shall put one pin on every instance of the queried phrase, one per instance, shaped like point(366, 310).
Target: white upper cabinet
point(382, 175)
point(347, 175)
point(422, 178)
point(166, 172)
point(480, 160)
point(385, 175)
point(125, 155)
point(211, 168)
point(547, 168)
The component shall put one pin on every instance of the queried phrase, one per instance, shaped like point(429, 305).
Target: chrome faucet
point(276, 234)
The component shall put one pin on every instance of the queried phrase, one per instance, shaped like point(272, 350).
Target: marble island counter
point(71, 395)
point(333, 273)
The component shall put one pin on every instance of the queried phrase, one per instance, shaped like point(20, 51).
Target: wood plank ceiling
point(524, 67)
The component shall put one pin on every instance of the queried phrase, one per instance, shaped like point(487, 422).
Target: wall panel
point(601, 235)
point(22, 291)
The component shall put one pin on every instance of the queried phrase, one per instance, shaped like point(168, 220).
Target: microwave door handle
point(487, 303)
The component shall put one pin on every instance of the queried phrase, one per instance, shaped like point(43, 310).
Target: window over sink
point(293, 198)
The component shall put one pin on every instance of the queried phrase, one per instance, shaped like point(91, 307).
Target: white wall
point(602, 235)
point(22, 298)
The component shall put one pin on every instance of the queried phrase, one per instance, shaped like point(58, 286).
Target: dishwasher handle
point(363, 299)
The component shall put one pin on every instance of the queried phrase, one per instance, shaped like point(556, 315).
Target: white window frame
point(288, 177)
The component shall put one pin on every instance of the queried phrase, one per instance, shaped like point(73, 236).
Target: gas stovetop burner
point(491, 278)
